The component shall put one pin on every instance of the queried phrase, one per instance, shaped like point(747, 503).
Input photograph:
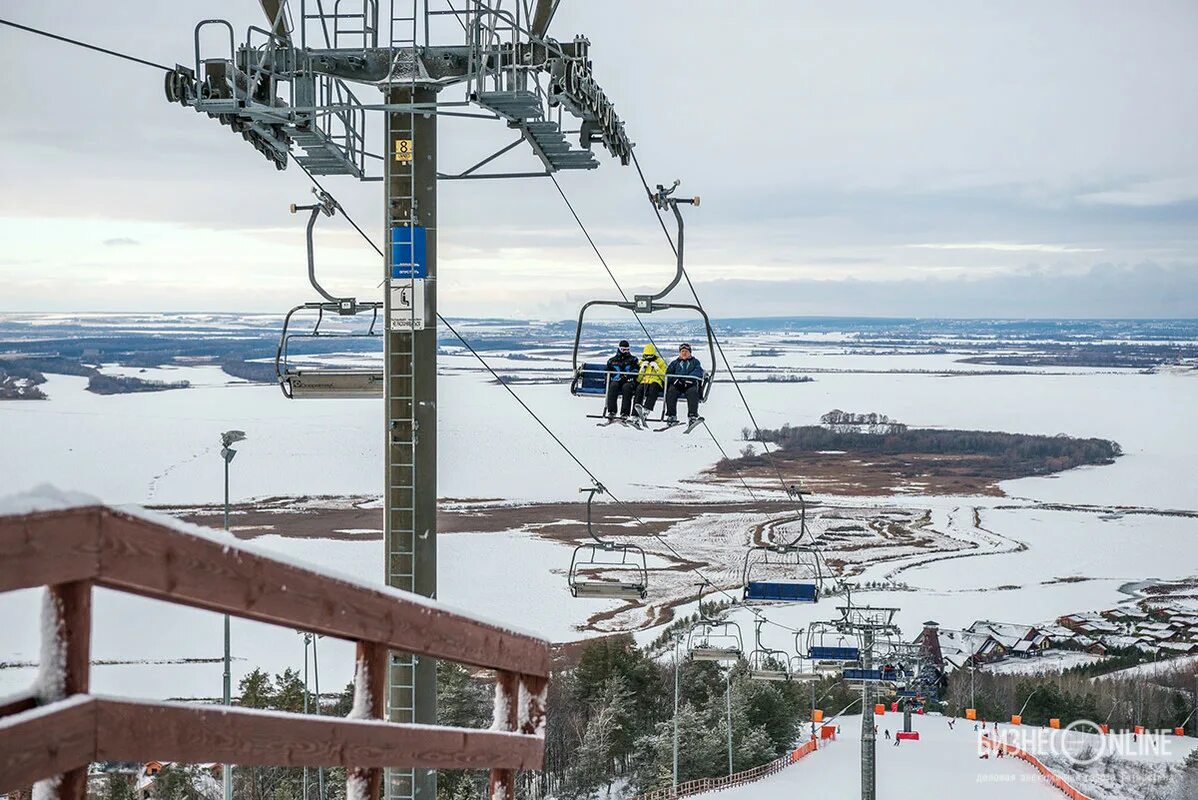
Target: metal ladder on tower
point(401, 479)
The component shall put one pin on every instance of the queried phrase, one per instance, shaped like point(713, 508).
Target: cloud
point(1162, 192)
point(1105, 290)
point(121, 241)
point(1007, 247)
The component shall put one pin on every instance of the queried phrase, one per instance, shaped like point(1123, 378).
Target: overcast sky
point(957, 159)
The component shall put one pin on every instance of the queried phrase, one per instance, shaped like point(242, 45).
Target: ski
point(692, 424)
point(667, 426)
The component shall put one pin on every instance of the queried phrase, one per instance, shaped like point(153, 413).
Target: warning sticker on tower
point(407, 305)
point(403, 149)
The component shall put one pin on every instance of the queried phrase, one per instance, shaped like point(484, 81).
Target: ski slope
point(943, 763)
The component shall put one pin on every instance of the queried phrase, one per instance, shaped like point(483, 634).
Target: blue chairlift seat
point(785, 591)
point(592, 379)
point(821, 653)
point(856, 674)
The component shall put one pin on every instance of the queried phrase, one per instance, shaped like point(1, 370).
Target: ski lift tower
point(867, 623)
point(288, 88)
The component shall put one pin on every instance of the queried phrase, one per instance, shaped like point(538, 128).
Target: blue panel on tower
point(408, 259)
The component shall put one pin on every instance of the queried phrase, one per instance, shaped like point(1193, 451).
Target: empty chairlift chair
point(309, 378)
point(593, 564)
point(788, 573)
point(714, 640)
point(802, 669)
point(766, 664)
point(300, 381)
point(829, 649)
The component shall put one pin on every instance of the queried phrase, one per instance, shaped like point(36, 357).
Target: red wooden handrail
point(58, 729)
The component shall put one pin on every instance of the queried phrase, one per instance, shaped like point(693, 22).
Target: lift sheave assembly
point(317, 380)
point(594, 560)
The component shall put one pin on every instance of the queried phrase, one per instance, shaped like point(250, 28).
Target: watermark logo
point(1080, 743)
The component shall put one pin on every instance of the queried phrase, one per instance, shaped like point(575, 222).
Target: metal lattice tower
point(867, 623)
point(286, 89)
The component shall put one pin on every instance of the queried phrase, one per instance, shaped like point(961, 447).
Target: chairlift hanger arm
point(663, 199)
point(591, 492)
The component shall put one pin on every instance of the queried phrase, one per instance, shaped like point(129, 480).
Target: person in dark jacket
point(622, 369)
point(684, 377)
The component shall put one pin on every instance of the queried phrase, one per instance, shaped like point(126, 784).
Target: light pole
point(227, 452)
point(311, 640)
point(728, 696)
point(677, 669)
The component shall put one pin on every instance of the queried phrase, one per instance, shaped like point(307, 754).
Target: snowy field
point(944, 763)
point(162, 448)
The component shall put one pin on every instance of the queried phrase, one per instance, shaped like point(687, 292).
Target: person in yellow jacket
point(650, 383)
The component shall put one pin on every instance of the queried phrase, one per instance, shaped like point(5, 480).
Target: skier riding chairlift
point(693, 384)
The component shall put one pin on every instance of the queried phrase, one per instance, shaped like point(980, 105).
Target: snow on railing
point(50, 733)
point(701, 785)
point(1053, 778)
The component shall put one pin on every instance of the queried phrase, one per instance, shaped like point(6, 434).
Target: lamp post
point(677, 669)
point(310, 640)
point(728, 698)
point(227, 439)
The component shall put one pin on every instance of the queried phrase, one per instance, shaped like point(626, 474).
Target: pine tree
point(255, 691)
point(465, 703)
point(117, 786)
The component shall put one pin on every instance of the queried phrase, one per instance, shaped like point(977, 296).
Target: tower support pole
point(410, 398)
point(868, 733)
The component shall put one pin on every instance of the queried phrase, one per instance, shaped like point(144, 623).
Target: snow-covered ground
point(1051, 661)
point(1157, 668)
point(1118, 766)
point(163, 448)
point(944, 763)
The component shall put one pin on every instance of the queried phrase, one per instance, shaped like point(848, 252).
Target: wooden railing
point(53, 731)
point(701, 785)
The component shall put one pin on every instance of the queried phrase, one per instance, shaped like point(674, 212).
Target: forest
point(875, 434)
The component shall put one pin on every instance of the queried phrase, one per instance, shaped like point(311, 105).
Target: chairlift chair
point(802, 670)
point(309, 382)
point(766, 664)
point(830, 657)
point(714, 640)
point(802, 562)
point(592, 379)
point(599, 556)
point(316, 381)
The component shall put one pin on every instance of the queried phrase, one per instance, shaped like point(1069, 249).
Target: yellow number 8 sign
point(403, 149)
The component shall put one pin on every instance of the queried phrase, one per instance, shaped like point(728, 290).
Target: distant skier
point(684, 379)
point(621, 383)
point(650, 381)
point(951, 722)
point(888, 733)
